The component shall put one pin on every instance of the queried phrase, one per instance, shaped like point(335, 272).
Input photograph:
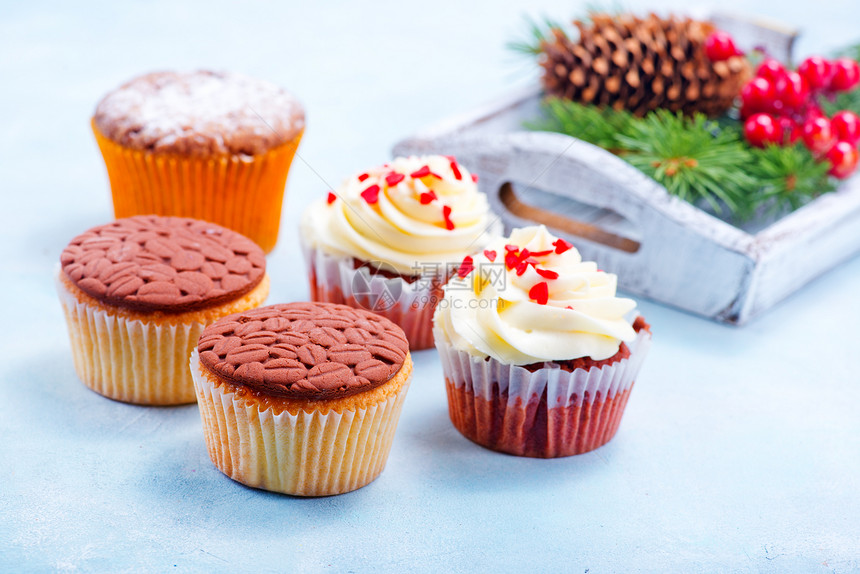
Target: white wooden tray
point(660, 247)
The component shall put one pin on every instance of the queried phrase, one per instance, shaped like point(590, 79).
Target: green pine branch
point(789, 176)
point(536, 33)
point(540, 30)
point(843, 101)
point(598, 126)
point(696, 159)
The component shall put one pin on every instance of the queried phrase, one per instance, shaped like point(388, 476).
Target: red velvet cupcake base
point(544, 411)
point(408, 304)
point(533, 429)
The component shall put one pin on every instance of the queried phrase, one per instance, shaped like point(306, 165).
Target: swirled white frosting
point(513, 320)
point(394, 226)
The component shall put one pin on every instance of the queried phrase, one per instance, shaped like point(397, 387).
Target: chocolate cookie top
point(304, 350)
point(170, 264)
point(199, 113)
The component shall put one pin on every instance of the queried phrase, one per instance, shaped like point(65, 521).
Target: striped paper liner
point(548, 413)
point(303, 454)
point(242, 193)
point(409, 305)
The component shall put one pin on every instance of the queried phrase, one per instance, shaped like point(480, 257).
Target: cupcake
point(208, 145)
point(391, 236)
point(539, 354)
point(301, 398)
point(137, 293)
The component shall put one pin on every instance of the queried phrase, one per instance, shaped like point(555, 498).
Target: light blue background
point(739, 451)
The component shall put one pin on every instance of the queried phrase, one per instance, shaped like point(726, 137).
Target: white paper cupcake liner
point(306, 454)
point(546, 413)
point(409, 305)
point(127, 359)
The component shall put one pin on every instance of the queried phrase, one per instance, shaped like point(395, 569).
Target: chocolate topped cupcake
point(306, 382)
point(304, 350)
point(169, 264)
point(137, 293)
point(210, 145)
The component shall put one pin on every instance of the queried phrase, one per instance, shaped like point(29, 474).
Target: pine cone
point(641, 64)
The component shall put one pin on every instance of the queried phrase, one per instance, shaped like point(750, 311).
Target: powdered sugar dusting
point(200, 113)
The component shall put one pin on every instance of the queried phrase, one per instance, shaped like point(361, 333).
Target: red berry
point(762, 129)
point(846, 126)
point(818, 135)
point(846, 75)
point(770, 69)
point(791, 90)
point(843, 158)
point(790, 130)
point(756, 96)
point(816, 71)
point(720, 46)
point(813, 111)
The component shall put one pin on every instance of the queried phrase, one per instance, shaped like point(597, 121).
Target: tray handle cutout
point(598, 225)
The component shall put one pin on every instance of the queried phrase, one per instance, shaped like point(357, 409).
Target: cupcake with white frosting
point(389, 238)
point(539, 353)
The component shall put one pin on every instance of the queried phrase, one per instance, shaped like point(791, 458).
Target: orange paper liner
point(302, 454)
point(546, 413)
point(131, 360)
point(242, 193)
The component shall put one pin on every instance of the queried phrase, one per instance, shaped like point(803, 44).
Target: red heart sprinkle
point(569, 307)
point(466, 267)
point(539, 293)
point(542, 253)
point(521, 267)
point(456, 170)
point(331, 197)
point(475, 178)
point(511, 260)
point(394, 178)
point(546, 273)
point(371, 194)
point(561, 245)
point(424, 171)
point(362, 177)
point(427, 197)
point(510, 247)
point(491, 255)
point(446, 214)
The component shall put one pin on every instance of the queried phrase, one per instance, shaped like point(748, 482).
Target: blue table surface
point(739, 450)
